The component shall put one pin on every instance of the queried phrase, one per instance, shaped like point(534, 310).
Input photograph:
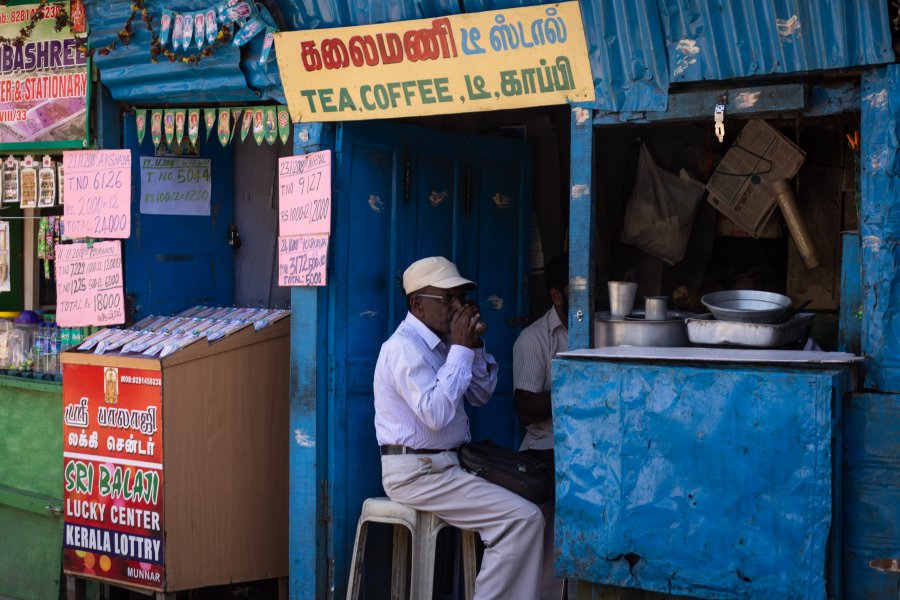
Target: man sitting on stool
point(432, 362)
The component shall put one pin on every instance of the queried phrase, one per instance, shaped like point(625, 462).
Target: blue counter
point(702, 472)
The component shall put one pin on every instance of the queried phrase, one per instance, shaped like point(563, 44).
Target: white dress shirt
point(420, 383)
point(532, 355)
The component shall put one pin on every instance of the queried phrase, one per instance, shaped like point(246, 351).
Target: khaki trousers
point(511, 527)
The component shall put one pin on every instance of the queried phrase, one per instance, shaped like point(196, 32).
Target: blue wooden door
point(402, 193)
point(172, 262)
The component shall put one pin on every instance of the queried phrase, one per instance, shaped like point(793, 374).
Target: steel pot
point(638, 331)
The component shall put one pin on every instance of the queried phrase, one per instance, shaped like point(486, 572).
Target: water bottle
point(36, 347)
point(54, 350)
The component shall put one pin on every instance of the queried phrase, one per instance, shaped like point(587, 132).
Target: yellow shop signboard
point(492, 60)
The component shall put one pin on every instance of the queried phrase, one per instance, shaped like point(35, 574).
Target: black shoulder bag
point(518, 472)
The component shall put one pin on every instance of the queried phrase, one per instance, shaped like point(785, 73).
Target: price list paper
point(97, 188)
point(89, 284)
point(304, 194)
point(302, 260)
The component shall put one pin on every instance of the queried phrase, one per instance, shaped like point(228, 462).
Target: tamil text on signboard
point(530, 56)
point(97, 188)
point(175, 186)
point(89, 284)
point(43, 81)
point(112, 474)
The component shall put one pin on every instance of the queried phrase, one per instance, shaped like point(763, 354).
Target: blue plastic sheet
point(707, 482)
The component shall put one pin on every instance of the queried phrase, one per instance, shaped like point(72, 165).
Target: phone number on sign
point(141, 380)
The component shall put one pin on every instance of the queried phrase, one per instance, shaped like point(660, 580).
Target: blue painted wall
point(703, 481)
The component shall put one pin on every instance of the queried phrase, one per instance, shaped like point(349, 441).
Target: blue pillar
point(308, 502)
point(879, 221)
point(581, 229)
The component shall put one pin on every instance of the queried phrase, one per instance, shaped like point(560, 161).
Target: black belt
point(391, 449)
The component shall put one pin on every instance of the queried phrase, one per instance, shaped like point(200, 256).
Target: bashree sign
point(43, 82)
point(113, 474)
point(491, 60)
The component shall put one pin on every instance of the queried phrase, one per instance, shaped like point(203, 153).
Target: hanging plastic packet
point(249, 30)
point(284, 123)
point(165, 27)
point(177, 31)
point(271, 128)
point(60, 185)
point(200, 29)
point(47, 183)
point(28, 183)
point(220, 11)
point(187, 31)
point(268, 42)
point(43, 224)
point(238, 11)
point(212, 27)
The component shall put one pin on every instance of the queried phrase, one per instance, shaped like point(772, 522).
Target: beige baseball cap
point(435, 271)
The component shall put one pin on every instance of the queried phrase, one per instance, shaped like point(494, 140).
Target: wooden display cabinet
point(176, 469)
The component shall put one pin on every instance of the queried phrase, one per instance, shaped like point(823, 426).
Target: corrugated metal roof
point(716, 39)
point(637, 47)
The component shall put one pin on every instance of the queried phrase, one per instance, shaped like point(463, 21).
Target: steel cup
point(656, 308)
point(621, 298)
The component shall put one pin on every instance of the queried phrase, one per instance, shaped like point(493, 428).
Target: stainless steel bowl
point(747, 306)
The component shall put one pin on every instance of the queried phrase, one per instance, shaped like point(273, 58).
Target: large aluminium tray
point(707, 330)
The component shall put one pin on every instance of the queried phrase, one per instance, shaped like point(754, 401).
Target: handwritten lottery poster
point(113, 474)
point(304, 194)
point(302, 260)
point(97, 188)
point(175, 186)
point(89, 284)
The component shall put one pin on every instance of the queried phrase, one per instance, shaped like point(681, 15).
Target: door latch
point(719, 116)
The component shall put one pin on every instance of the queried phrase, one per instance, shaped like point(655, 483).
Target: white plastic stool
point(423, 528)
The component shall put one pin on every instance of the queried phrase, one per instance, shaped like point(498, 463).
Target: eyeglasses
point(447, 299)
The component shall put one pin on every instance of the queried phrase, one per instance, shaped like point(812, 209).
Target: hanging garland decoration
point(44, 7)
point(213, 26)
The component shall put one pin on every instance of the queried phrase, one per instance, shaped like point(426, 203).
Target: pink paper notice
point(97, 189)
point(304, 194)
point(302, 260)
point(89, 284)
